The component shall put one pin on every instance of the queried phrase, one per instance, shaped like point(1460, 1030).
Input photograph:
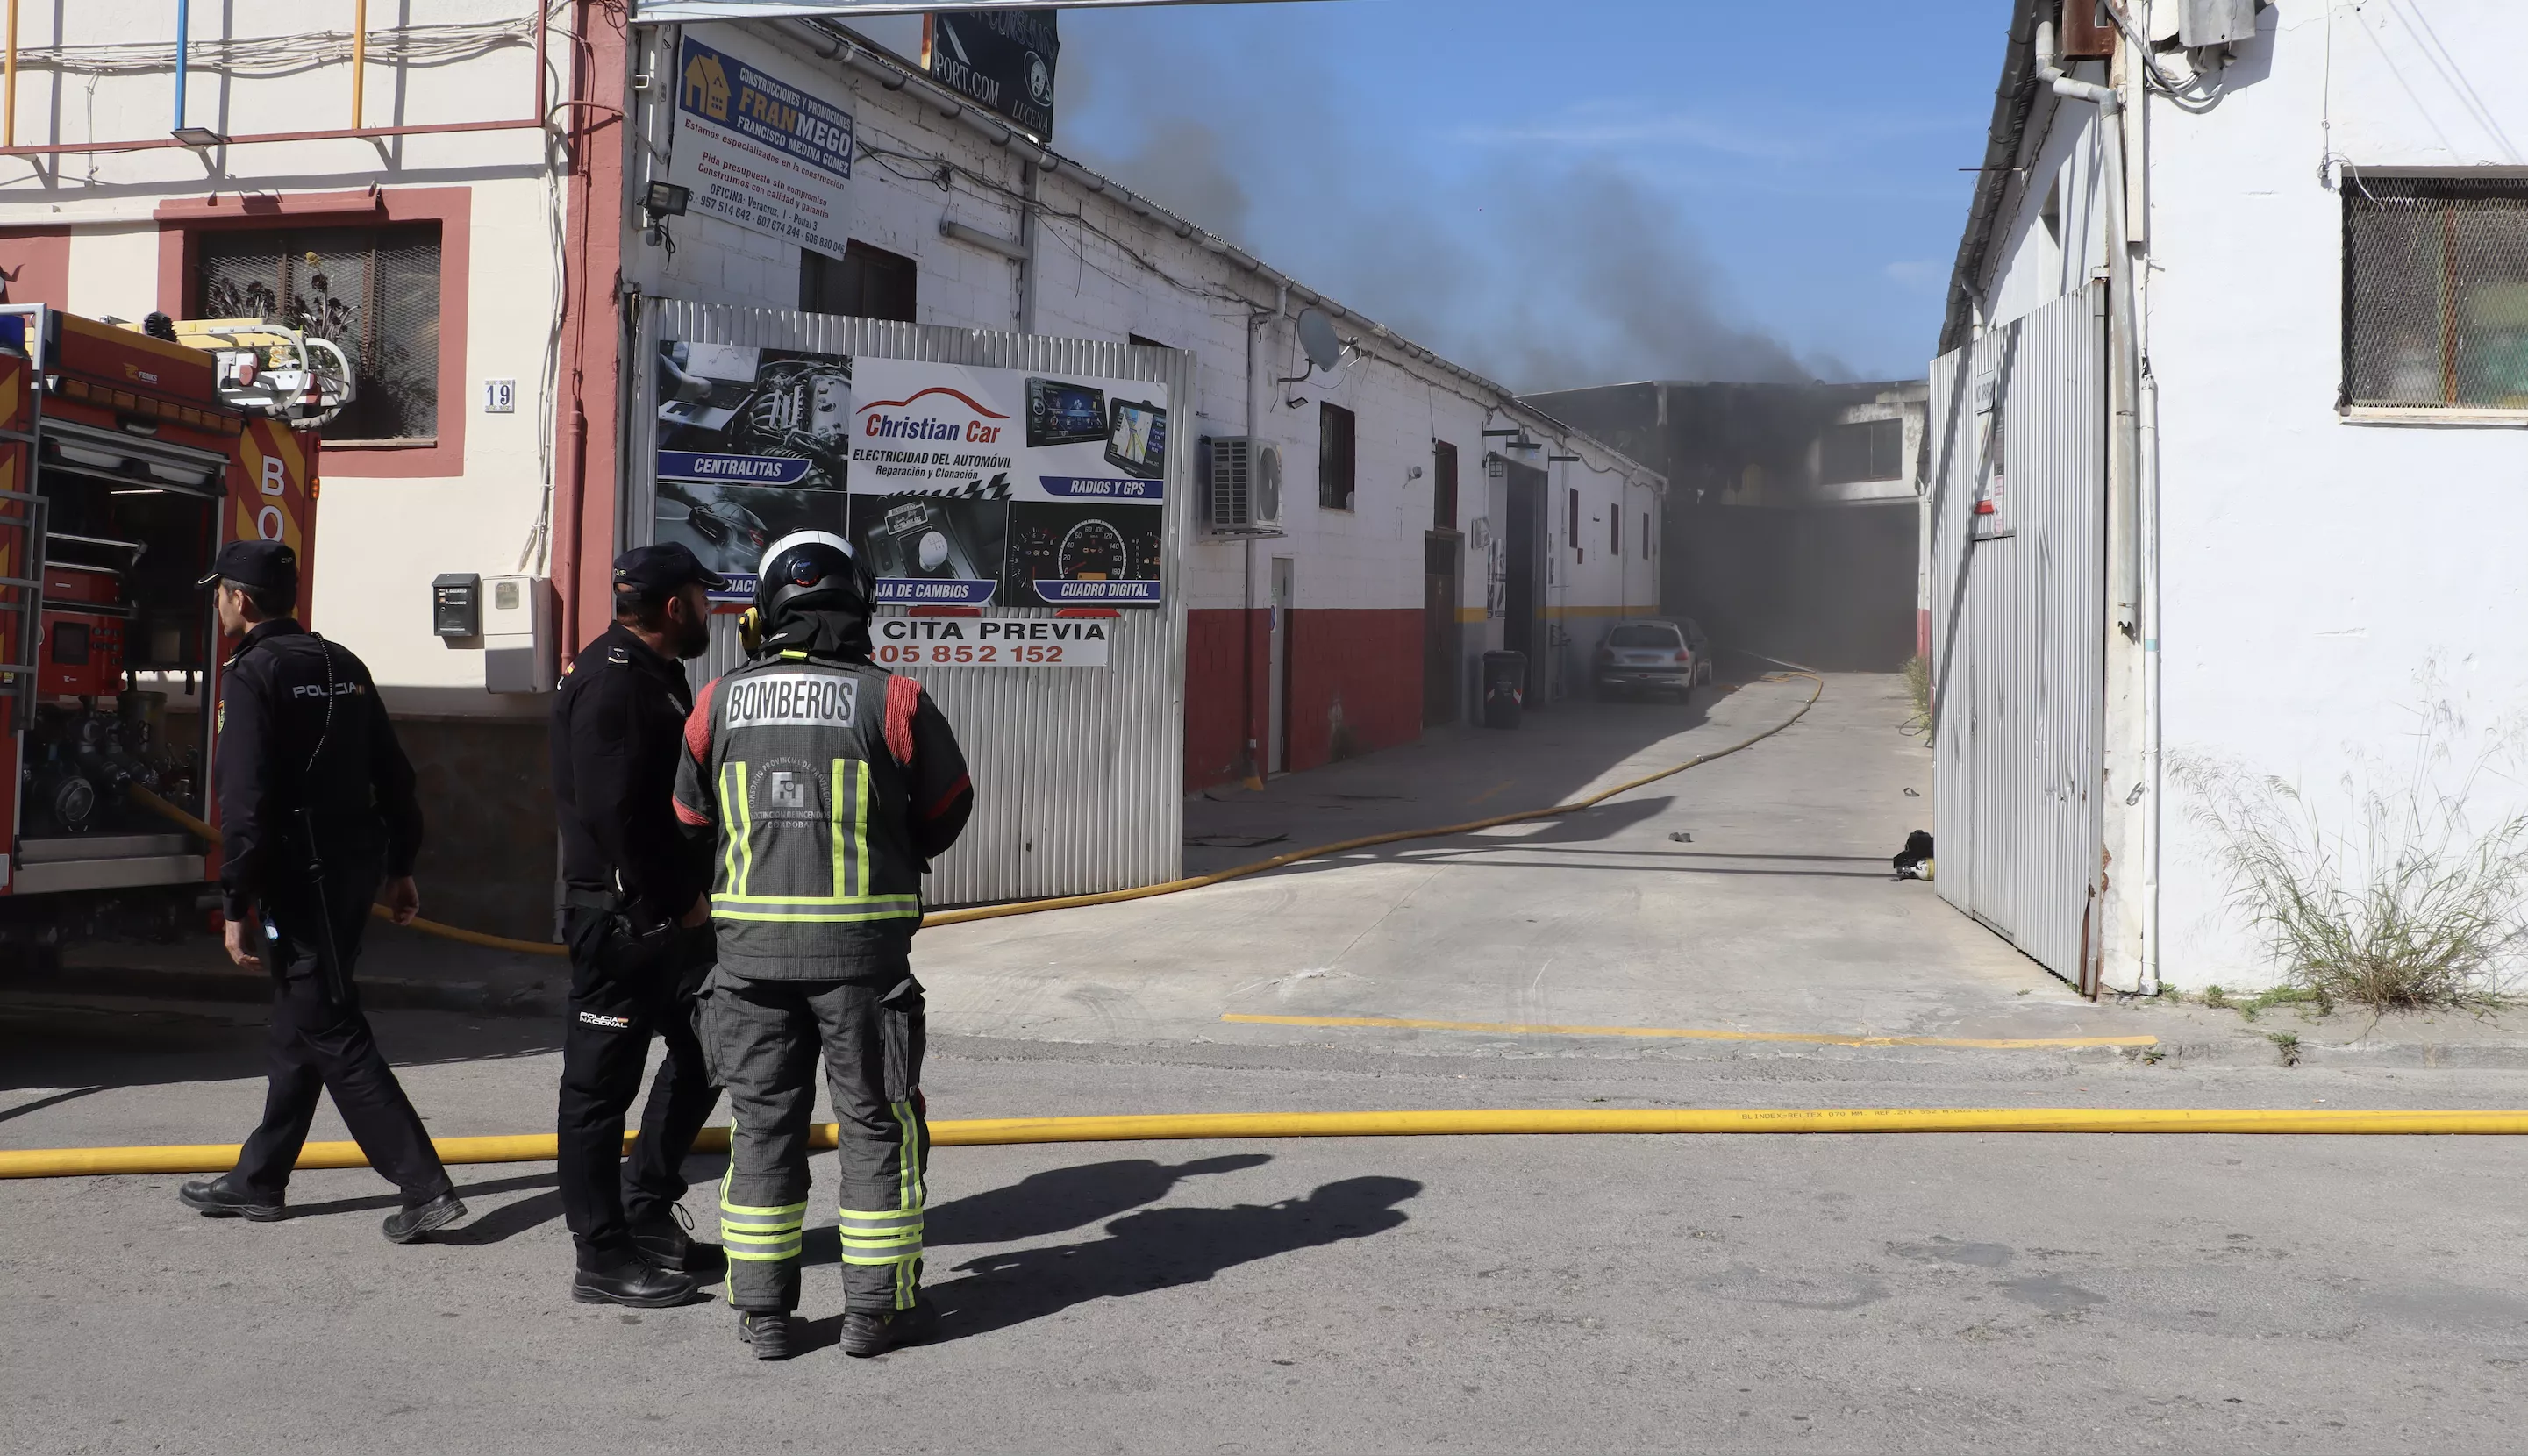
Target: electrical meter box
point(519, 651)
point(457, 605)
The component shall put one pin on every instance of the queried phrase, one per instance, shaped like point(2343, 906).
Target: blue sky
point(1569, 191)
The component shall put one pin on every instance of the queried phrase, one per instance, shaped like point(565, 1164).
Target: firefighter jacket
point(825, 788)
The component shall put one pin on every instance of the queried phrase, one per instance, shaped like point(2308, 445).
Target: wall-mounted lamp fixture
point(665, 199)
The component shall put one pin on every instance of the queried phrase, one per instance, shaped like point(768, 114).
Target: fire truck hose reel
point(156, 805)
point(57, 1162)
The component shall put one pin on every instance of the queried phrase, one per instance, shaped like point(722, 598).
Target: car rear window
point(1644, 637)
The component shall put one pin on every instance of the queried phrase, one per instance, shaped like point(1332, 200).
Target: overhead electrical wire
point(268, 56)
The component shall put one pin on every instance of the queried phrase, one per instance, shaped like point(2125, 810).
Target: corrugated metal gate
point(1078, 773)
point(2018, 627)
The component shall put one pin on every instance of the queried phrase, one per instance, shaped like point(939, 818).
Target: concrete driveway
point(1748, 895)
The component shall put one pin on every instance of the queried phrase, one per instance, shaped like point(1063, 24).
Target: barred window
point(374, 292)
point(1865, 451)
point(2436, 293)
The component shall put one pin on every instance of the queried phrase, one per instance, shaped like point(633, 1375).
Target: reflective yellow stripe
point(745, 832)
point(840, 795)
point(727, 831)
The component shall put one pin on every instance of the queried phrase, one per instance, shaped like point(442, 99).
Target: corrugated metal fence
point(1079, 771)
point(2018, 627)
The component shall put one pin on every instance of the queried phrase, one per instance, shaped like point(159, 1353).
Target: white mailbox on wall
point(519, 649)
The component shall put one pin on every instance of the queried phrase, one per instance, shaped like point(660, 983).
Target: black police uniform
point(629, 874)
point(316, 810)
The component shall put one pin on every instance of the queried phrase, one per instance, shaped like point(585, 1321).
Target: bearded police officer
point(825, 786)
point(637, 924)
point(316, 810)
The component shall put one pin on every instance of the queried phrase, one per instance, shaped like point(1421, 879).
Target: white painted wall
point(381, 540)
point(2313, 568)
point(378, 539)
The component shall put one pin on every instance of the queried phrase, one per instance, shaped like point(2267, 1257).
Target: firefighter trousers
point(762, 1038)
point(624, 988)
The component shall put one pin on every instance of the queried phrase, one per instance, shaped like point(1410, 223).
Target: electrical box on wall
point(519, 651)
point(2089, 33)
point(457, 605)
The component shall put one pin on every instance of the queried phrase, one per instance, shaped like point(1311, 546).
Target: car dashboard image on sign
point(1070, 555)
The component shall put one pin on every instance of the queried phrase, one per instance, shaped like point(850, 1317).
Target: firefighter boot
point(770, 1335)
point(865, 1334)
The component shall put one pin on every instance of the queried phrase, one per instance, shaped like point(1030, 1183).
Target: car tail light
point(1684, 657)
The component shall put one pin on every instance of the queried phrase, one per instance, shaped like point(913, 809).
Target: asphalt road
point(1917, 1293)
point(1617, 1293)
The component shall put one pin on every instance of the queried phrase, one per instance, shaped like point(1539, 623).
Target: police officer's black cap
point(665, 570)
point(263, 565)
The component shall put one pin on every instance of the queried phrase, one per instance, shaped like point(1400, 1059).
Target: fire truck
point(123, 469)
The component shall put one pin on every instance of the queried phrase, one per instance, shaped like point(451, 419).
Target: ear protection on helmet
point(750, 630)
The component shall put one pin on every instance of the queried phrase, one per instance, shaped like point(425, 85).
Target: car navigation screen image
point(1059, 413)
point(1137, 444)
point(1064, 555)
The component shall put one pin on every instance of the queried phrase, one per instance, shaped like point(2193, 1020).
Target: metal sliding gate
point(1079, 771)
point(2019, 623)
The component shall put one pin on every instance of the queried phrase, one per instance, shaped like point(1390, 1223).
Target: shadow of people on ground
point(1159, 1249)
point(1053, 1201)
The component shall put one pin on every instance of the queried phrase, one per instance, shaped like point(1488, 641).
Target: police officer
point(825, 786)
point(316, 810)
point(637, 924)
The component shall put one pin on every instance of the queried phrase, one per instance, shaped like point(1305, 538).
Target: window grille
point(2436, 293)
point(1867, 450)
point(374, 292)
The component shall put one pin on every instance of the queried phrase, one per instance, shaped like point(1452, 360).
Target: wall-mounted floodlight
point(199, 136)
point(665, 199)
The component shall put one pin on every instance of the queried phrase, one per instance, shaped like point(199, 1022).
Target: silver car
point(1645, 655)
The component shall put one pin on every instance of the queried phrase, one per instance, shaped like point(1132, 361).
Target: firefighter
point(316, 810)
point(637, 922)
point(827, 786)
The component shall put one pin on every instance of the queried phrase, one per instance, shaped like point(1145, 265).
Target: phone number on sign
point(991, 655)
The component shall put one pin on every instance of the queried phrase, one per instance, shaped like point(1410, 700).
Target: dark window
point(864, 283)
point(1334, 457)
point(2436, 293)
point(373, 291)
point(1645, 636)
point(1868, 450)
point(1571, 535)
point(1646, 536)
point(1615, 530)
point(1444, 486)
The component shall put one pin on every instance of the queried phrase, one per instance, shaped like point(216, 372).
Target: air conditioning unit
point(1242, 487)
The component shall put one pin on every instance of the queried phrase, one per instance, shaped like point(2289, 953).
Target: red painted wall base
point(1356, 686)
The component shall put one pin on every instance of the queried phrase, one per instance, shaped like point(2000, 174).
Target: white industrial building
point(2225, 447)
point(471, 202)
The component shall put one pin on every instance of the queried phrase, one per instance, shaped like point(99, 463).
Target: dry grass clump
point(2397, 902)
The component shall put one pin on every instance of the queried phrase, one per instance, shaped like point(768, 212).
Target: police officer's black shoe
point(407, 1225)
point(660, 1238)
point(770, 1335)
point(626, 1280)
point(864, 1335)
point(218, 1198)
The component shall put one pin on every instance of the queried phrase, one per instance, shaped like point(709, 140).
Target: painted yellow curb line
point(1816, 1038)
point(57, 1162)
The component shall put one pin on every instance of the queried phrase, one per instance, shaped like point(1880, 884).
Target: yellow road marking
point(1688, 1033)
point(1489, 793)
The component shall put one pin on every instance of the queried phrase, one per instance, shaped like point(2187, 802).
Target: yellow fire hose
point(156, 805)
point(56, 1162)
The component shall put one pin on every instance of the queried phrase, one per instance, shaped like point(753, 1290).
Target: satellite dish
point(1317, 336)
